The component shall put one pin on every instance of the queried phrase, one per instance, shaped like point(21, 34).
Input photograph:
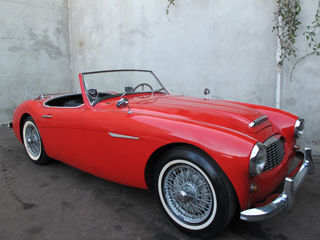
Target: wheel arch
point(155, 157)
point(25, 109)
point(204, 162)
point(22, 119)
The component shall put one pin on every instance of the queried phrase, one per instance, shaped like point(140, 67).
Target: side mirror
point(123, 103)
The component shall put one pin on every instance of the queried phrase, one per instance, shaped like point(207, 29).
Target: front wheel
point(33, 143)
point(193, 192)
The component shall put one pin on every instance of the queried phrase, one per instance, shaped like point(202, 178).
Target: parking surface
point(56, 201)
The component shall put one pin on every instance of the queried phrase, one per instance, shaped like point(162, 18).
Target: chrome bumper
point(9, 125)
point(286, 199)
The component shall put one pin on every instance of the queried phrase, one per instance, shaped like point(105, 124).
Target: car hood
point(216, 112)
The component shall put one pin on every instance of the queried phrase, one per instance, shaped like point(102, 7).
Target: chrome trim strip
point(258, 121)
point(117, 70)
point(122, 136)
point(63, 106)
point(286, 199)
point(42, 96)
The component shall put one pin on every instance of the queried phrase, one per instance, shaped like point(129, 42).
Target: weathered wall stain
point(227, 47)
point(45, 43)
point(35, 51)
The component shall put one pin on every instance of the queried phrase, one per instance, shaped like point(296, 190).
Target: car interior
point(70, 100)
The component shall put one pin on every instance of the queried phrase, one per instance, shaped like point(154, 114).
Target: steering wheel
point(142, 84)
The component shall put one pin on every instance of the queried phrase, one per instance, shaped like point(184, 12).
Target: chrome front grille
point(275, 152)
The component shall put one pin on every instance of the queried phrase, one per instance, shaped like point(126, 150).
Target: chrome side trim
point(64, 107)
point(258, 121)
point(122, 136)
point(42, 96)
point(286, 199)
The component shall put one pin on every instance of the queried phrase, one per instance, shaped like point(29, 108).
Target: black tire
point(33, 143)
point(193, 192)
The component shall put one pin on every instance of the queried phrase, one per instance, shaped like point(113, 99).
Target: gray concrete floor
point(56, 201)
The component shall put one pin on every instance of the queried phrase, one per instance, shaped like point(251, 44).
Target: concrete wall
point(34, 51)
point(300, 95)
point(227, 46)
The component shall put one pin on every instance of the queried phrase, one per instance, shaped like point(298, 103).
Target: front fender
point(282, 121)
point(228, 148)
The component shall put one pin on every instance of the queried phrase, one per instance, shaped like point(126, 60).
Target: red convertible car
point(206, 159)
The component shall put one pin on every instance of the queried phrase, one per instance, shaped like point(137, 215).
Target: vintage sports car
point(206, 159)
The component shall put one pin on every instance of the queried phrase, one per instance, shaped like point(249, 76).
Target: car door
point(117, 145)
point(63, 136)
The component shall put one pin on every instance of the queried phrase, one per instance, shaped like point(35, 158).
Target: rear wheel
point(33, 143)
point(194, 192)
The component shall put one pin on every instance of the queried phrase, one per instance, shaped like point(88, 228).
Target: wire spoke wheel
point(33, 140)
point(193, 192)
point(33, 143)
point(188, 193)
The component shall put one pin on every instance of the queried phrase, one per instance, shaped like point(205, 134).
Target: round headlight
point(258, 158)
point(298, 128)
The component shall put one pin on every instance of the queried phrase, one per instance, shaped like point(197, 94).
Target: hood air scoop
point(258, 121)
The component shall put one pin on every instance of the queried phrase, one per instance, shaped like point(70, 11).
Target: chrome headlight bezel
point(258, 159)
point(299, 128)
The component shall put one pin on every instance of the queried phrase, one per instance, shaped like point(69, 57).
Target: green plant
point(171, 2)
point(310, 36)
point(311, 33)
point(286, 26)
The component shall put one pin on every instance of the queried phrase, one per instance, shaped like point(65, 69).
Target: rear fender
point(28, 108)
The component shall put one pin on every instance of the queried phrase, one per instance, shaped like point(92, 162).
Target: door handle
point(46, 116)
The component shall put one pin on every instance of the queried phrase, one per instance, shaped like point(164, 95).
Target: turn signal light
point(296, 147)
point(254, 188)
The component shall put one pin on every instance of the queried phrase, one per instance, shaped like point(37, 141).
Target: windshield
point(107, 84)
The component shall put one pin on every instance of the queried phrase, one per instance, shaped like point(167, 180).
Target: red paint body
point(79, 136)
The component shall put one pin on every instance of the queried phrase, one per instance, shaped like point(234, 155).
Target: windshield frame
point(93, 103)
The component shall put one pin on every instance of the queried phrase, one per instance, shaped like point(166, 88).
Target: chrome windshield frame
point(93, 103)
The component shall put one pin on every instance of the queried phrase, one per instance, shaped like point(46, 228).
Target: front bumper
point(286, 199)
point(9, 125)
